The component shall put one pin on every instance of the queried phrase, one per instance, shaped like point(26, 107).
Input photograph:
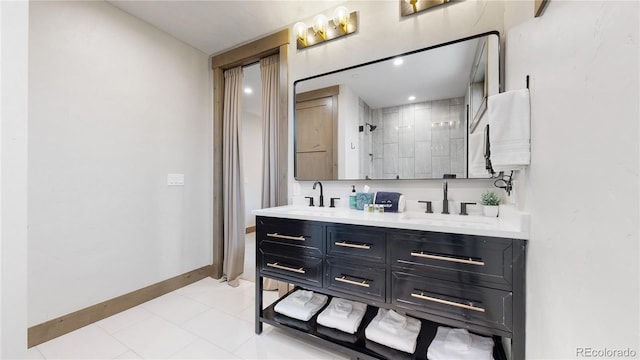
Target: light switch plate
point(175, 179)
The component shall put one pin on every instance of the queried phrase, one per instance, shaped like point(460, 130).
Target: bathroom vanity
point(456, 271)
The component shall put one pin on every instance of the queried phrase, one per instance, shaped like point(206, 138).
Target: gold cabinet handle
point(469, 261)
point(278, 266)
point(362, 283)
point(447, 302)
point(355, 246)
point(276, 235)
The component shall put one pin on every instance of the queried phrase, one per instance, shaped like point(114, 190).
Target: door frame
point(250, 53)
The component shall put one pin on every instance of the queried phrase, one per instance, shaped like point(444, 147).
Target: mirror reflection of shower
point(371, 127)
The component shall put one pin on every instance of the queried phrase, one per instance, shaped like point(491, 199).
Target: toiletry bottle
point(352, 197)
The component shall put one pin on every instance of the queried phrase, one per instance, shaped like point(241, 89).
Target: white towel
point(460, 345)
point(291, 307)
point(341, 308)
point(477, 164)
point(393, 322)
point(302, 297)
point(510, 130)
point(405, 339)
point(333, 315)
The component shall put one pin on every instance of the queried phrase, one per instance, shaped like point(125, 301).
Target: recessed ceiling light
point(248, 90)
point(411, 98)
point(398, 61)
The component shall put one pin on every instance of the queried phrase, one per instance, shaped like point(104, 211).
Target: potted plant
point(489, 201)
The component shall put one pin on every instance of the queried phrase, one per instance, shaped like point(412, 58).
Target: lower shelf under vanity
point(357, 346)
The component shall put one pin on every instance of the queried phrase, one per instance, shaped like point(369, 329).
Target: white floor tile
point(202, 349)
point(274, 344)
point(155, 338)
point(33, 353)
point(128, 355)
point(198, 287)
point(89, 342)
point(175, 307)
point(124, 319)
point(230, 300)
point(221, 329)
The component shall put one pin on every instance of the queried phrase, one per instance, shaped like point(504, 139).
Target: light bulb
point(340, 17)
point(300, 29)
point(320, 26)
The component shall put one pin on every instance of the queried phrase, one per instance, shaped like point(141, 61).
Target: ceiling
point(214, 26)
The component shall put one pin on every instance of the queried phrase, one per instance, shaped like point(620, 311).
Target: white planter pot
point(490, 210)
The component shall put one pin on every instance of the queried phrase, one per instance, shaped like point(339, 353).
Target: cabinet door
point(470, 259)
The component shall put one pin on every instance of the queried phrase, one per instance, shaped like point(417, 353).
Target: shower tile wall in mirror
point(402, 117)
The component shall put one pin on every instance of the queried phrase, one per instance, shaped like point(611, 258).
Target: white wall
point(382, 33)
point(14, 27)
point(582, 185)
point(115, 105)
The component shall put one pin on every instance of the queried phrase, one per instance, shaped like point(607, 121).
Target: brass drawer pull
point(447, 302)
point(276, 235)
point(469, 261)
point(278, 266)
point(362, 283)
point(355, 246)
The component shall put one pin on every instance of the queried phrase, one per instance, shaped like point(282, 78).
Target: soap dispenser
point(352, 197)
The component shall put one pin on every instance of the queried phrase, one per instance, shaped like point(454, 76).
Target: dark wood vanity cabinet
point(456, 280)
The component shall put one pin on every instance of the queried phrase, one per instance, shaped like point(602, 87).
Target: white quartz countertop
point(511, 223)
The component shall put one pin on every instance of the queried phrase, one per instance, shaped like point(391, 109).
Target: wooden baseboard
point(51, 329)
point(250, 229)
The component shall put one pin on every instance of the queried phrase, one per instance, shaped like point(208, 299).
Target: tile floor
point(205, 320)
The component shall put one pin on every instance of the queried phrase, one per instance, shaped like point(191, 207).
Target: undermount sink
point(319, 211)
point(457, 219)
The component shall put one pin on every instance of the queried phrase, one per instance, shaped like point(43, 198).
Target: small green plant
point(489, 198)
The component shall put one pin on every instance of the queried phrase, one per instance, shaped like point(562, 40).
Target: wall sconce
point(343, 23)
point(410, 7)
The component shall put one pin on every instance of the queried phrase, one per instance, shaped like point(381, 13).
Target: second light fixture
point(323, 29)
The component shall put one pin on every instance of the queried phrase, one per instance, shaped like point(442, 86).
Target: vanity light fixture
point(410, 7)
point(342, 23)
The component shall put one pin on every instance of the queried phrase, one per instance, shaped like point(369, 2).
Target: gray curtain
point(232, 179)
point(270, 76)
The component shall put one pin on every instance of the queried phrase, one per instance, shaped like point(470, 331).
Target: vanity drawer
point(364, 281)
point(302, 270)
point(290, 237)
point(465, 258)
point(356, 242)
point(478, 305)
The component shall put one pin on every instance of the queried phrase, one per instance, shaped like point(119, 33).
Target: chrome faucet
point(321, 194)
point(445, 201)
